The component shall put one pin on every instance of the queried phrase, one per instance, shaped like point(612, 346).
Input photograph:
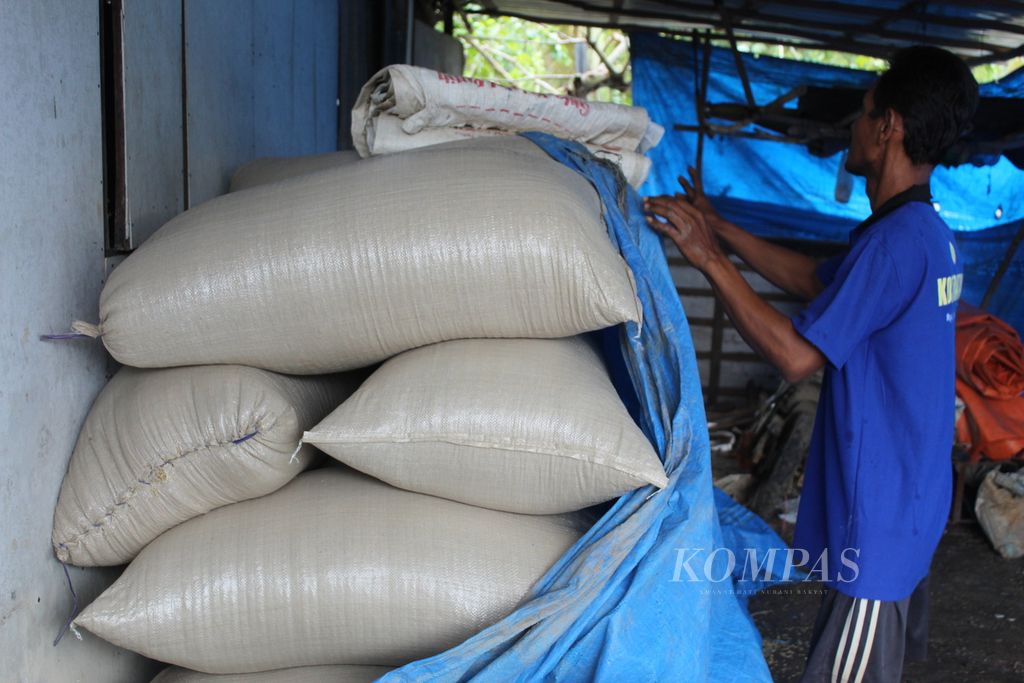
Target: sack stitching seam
point(312, 438)
point(118, 505)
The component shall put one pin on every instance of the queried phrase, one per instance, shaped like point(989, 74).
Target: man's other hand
point(686, 227)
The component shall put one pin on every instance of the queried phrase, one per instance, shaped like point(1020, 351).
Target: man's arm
point(788, 270)
point(767, 331)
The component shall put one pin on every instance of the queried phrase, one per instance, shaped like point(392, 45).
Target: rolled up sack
point(334, 568)
point(272, 169)
point(524, 425)
point(303, 674)
point(389, 138)
point(348, 266)
point(423, 98)
point(162, 446)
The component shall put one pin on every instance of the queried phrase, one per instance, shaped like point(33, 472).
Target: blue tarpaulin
point(620, 605)
point(780, 190)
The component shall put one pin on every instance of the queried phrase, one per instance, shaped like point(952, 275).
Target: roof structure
point(981, 32)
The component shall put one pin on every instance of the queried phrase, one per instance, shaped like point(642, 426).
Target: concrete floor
point(977, 617)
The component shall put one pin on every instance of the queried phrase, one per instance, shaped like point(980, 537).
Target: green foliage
point(799, 54)
point(542, 57)
point(539, 57)
point(993, 72)
point(985, 73)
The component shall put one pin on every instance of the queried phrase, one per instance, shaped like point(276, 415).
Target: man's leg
point(917, 624)
point(859, 640)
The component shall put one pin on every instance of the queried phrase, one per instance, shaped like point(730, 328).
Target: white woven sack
point(423, 98)
point(162, 446)
point(272, 169)
point(351, 265)
point(524, 425)
point(303, 674)
point(390, 138)
point(334, 568)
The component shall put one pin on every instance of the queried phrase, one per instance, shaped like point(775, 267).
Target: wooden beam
point(1007, 259)
point(616, 8)
point(747, 22)
point(448, 12)
point(732, 356)
point(741, 69)
point(716, 355)
point(767, 296)
point(857, 9)
point(877, 30)
point(816, 42)
point(885, 17)
point(753, 135)
point(991, 59)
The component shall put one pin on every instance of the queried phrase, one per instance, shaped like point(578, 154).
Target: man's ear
point(891, 127)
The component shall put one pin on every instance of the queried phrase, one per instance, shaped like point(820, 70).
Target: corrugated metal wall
point(51, 262)
point(262, 80)
point(210, 84)
point(727, 363)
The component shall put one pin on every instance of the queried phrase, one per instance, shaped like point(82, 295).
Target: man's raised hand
point(685, 226)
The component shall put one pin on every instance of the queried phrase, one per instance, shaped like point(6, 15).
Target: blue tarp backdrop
point(780, 190)
point(619, 606)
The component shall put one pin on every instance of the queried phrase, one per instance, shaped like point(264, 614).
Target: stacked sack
point(468, 451)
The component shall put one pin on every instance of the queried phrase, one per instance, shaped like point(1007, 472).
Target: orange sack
point(989, 380)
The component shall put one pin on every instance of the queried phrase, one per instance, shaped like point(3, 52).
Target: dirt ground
point(976, 626)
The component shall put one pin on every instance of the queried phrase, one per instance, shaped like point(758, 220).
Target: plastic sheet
point(609, 609)
point(990, 381)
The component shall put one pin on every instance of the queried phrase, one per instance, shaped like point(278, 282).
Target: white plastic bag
point(304, 674)
point(272, 169)
point(348, 266)
point(389, 138)
point(524, 425)
point(162, 446)
point(334, 568)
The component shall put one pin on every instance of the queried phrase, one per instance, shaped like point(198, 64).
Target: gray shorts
point(857, 640)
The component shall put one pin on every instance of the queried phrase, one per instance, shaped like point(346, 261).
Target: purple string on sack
point(74, 605)
point(63, 335)
point(245, 438)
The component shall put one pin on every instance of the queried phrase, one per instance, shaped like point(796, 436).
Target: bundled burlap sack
point(423, 98)
point(389, 138)
point(162, 446)
point(304, 674)
point(334, 568)
point(348, 266)
point(524, 425)
point(272, 169)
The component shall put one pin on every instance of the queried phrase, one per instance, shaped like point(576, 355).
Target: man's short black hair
point(935, 93)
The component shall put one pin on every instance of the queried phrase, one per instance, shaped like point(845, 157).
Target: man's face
point(863, 138)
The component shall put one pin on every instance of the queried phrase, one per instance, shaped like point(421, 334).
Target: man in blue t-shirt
point(881, 321)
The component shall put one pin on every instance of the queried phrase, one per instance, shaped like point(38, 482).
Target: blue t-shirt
point(877, 484)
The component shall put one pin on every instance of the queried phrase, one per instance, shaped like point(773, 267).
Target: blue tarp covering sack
point(620, 605)
point(779, 189)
